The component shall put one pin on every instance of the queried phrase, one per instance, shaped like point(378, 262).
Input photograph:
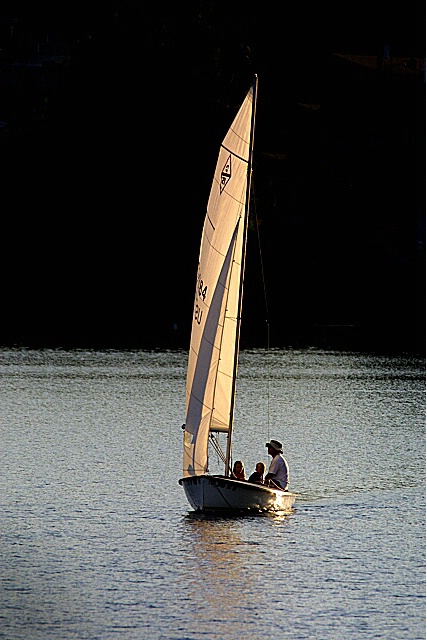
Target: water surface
point(97, 539)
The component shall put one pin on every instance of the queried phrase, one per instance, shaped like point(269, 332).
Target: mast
point(242, 275)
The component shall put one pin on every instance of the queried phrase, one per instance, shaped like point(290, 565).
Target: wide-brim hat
point(275, 444)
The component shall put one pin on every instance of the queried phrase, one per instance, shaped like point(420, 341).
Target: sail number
point(201, 291)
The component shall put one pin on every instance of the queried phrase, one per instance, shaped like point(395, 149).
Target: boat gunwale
point(241, 483)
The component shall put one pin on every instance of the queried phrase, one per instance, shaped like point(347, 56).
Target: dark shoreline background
point(110, 126)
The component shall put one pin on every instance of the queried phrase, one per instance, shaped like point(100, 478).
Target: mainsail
point(212, 364)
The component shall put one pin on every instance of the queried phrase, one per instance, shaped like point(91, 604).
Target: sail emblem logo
point(225, 175)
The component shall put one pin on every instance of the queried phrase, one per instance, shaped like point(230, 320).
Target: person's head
point(238, 466)
point(260, 468)
point(274, 447)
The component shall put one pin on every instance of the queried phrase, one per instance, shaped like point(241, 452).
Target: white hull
point(211, 494)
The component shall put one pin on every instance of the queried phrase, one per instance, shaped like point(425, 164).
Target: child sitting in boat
point(258, 475)
point(238, 471)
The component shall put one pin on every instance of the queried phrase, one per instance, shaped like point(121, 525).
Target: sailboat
point(215, 334)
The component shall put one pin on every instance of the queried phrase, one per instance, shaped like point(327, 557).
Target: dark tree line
point(112, 122)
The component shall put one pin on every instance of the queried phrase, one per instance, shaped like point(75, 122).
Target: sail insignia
point(225, 174)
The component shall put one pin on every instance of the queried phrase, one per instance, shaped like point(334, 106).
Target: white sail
point(216, 317)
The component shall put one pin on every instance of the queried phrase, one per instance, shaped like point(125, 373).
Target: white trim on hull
point(220, 494)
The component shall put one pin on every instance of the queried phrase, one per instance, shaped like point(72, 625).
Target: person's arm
point(286, 475)
point(272, 470)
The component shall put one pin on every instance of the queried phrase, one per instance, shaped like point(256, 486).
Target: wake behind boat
point(215, 334)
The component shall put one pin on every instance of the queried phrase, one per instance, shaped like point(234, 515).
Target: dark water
point(98, 540)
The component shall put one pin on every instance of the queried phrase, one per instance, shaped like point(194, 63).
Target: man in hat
point(278, 472)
